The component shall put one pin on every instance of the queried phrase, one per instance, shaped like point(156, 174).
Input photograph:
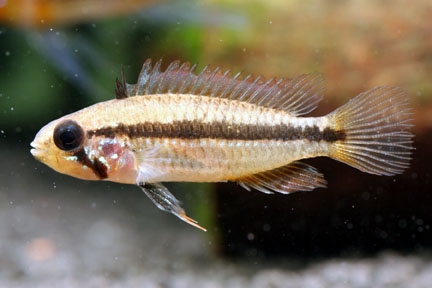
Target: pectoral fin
point(165, 201)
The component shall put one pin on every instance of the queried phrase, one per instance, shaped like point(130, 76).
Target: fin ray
point(296, 176)
point(298, 96)
point(165, 201)
point(121, 91)
point(376, 124)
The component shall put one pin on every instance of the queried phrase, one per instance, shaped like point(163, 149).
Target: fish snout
point(37, 151)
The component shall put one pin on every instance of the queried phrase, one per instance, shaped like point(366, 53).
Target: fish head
point(61, 144)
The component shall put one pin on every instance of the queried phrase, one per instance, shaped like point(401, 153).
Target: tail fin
point(376, 124)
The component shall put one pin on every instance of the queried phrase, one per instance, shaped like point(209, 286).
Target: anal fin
point(293, 177)
point(165, 201)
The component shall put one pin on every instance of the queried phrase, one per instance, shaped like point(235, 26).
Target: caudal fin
point(376, 125)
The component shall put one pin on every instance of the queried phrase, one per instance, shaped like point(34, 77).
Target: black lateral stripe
point(219, 130)
point(97, 166)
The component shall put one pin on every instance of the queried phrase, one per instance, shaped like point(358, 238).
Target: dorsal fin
point(121, 91)
point(298, 95)
point(296, 176)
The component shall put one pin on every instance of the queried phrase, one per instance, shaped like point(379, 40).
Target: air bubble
point(250, 236)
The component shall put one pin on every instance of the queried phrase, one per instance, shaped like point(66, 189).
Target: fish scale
point(236, 163)
point(176, 125)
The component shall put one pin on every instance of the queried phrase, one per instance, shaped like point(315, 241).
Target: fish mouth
point(37, 152)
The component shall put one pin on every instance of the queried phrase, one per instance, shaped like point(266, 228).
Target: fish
point(179, 125)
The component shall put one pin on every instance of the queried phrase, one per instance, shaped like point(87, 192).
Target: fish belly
point(214, 160)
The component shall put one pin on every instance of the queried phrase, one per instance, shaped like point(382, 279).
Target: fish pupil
point(68, 135)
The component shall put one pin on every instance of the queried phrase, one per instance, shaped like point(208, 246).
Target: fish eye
point(68, 135)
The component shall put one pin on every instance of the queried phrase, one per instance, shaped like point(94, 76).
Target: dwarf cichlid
point(176, 125)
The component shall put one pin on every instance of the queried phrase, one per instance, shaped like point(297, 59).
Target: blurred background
point(57, 57)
